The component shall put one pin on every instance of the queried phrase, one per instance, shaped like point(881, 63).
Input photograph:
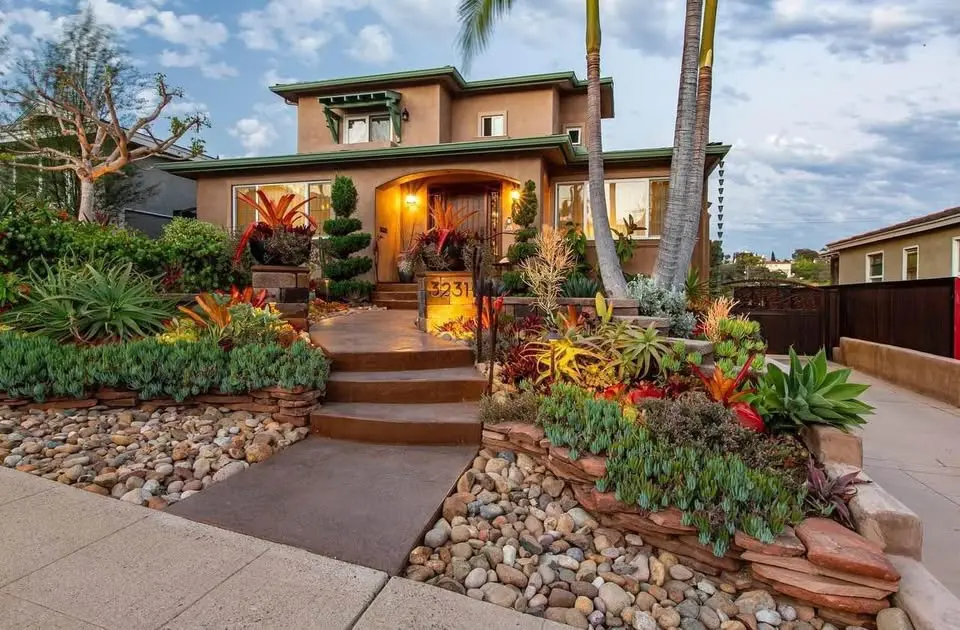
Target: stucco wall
point(935, 257)
point(528, 113)
point(171, 192)
point(572, 112)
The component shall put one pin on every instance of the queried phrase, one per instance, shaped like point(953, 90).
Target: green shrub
point(717, 492)
point(352, 291)
point(513, 283)
point(809, 394)
point(38, 367)
point(343, 240)
point(514, 407)
point(524, 216)
point(580, 286)
point(90, 303)
point(201, 253)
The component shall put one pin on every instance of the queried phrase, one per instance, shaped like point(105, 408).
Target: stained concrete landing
point(367, 504)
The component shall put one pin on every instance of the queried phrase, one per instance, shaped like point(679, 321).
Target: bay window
point(645, 200)
point(318, 208)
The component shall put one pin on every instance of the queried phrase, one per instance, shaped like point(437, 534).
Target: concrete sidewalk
point(911, 446)
point(73, 560)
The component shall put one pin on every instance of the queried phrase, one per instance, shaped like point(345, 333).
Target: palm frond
point(477, 18)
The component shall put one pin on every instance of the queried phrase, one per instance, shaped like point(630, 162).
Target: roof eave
point(892, 233)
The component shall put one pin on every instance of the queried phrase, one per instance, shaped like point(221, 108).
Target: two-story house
point(414, 139)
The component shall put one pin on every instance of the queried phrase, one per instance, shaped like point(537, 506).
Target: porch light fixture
point(405, 115)
point(515, 194)
point(411, 200)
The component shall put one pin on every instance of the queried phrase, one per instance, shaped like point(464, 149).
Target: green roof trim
point(560, 142)
point(442, 72)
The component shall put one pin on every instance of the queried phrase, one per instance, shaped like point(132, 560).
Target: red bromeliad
point(247, 296)
point(274, 215)
point(633, 395)
point(490, 308)
point(726, 391)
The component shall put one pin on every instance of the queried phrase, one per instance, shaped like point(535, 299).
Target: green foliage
point(12, 289)
point(201, 253)
point(519, 407)
point(739, 338)
point(677, 360)
point(250, 325)
point(343, 241)
point(518, 252)
point(809, 394)
point(38, 367)
point(90, 303)
point(513, 283)
point(343, 196)
point(580, 286)
point(632, 351)
point(352, 291)
point(253, 367)
point(717, 492)
point(657, 301)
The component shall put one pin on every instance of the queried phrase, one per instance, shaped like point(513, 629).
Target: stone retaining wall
point(822, 564)
point(284, 405)
point(288, 288)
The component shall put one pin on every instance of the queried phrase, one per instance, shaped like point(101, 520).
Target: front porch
point(404, 205)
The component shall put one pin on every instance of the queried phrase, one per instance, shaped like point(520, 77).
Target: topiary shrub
point(524, 216)
point(344, 239)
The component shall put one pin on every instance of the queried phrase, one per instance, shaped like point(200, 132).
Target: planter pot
point(266, 251)
point(406, 277)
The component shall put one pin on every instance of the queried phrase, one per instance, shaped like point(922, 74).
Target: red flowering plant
point(278, 221)
point(727, 391)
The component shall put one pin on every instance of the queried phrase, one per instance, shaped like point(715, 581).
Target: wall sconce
point(410, 200)
point(515, 194)
point(405, 115)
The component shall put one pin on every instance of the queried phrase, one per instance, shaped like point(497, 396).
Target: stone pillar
point(288, 288)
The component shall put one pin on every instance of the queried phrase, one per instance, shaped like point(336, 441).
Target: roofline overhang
point(887, 235)
point(559, 144)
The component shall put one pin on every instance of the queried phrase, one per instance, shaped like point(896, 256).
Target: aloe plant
point(809, 394)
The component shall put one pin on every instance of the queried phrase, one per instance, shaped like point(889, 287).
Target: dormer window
point(372, 128)
point(493, 125)
point(576, 135)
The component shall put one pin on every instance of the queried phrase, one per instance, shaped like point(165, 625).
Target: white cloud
point(187, 30)
point(254, 134)
point(120, 16)
point(273, 77)
point(197, 59)
point(373, 44)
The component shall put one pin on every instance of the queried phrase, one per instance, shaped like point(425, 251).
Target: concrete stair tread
point(438, 375)
point(456, 413)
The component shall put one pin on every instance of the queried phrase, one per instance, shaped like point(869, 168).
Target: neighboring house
point(783, 266)
point(170, 195)
point(924, 247)
point(166, 194)
point(412, 140)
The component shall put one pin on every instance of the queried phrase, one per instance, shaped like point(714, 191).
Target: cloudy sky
point(844, 114)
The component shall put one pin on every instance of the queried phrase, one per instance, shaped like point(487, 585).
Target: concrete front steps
point(392, 384)
point(396, 295)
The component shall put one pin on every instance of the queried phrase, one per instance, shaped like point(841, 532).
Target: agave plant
point(810, 394)
point(829, 497)
point(634, 350)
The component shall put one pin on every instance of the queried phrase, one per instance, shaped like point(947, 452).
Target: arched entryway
point(403, 209)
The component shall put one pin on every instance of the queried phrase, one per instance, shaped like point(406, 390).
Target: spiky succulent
point(809, 394)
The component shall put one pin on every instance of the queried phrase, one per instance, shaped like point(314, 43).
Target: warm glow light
point(411, 200)
point(515, 194)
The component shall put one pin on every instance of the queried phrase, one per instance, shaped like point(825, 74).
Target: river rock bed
point(146, 457)
point(515, 536)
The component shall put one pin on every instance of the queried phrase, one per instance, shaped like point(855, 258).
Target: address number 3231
point(457, 288)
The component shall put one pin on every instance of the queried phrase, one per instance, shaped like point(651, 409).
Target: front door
point(479, 202)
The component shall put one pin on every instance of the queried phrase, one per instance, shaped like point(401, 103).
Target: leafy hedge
point(37, 367)
point(717, 492)
point(190, 255)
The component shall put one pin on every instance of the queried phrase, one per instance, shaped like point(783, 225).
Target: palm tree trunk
point(681, 166)
point(701, 137)
point(607, 260)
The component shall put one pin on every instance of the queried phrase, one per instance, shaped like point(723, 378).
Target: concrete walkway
point(911, 446)
point(73, 560)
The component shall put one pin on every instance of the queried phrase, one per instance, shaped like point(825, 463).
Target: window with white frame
point(245, 213)
point(576, 135)
point(371, 128)
point(911, 262)
point(640, 201)
point(492, 125)
point(874, 263)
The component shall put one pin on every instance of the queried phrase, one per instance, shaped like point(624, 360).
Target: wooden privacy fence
point(922, 315)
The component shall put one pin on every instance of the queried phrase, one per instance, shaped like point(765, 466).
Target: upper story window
point(371, 128)
point(911, 262)
point(492, 125)
point(576, 135)
point(875, 267)
point(955, 255)
point(645, 200)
